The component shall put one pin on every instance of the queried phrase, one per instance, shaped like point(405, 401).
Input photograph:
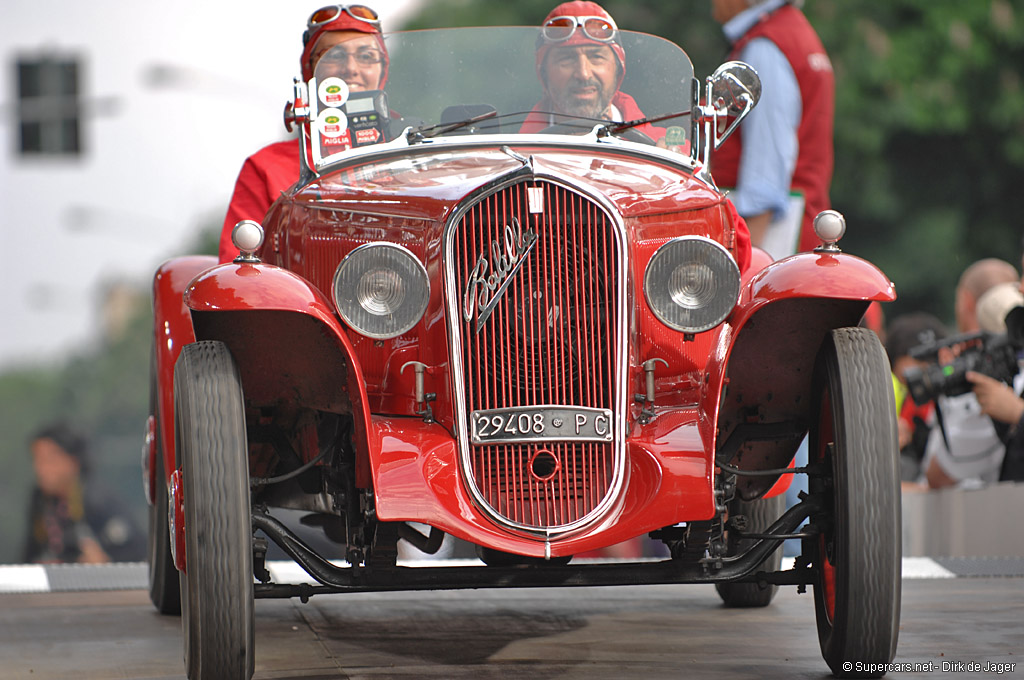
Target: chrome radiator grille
point(537, 274)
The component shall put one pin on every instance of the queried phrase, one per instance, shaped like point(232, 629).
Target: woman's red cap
point(343, 22)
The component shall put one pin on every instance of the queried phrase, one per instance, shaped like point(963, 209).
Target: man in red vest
point(781, 157)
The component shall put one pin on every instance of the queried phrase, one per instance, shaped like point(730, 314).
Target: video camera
point(995, 355)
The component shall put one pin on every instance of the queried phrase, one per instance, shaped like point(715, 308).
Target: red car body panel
point(416, 471)
point(670, 472)
point(275, 316)
point(672, 202)
point(784, 311)
point(172, 325)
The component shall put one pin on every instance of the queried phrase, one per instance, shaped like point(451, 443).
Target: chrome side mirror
point(734, 90)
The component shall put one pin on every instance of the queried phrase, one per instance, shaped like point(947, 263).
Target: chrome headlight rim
point(726, 277)
point(343, 303)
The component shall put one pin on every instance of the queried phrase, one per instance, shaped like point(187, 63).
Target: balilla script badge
point(486, 290)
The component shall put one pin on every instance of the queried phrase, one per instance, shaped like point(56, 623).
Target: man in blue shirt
point(780, 163)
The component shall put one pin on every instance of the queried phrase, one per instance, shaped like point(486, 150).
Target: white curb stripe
point(924, 567)
point(24, 578)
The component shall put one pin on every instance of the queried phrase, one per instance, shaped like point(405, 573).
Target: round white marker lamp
point(829, 225)
point(247, 236)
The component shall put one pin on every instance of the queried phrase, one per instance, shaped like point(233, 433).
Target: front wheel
point(857, 556)
point(217, 584)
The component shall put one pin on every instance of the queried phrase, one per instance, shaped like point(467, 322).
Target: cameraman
point(967, 448)
point(997, 400)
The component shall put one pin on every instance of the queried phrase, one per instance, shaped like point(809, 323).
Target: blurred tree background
point(929, 143)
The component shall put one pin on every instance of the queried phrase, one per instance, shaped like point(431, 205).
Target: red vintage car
point(542, 343)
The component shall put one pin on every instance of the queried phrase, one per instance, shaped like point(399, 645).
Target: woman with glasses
point(361, 61)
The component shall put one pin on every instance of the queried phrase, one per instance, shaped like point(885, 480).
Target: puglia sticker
point(331, 123)
point(333, 92)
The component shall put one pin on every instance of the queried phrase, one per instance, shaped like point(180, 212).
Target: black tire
point(164, 590)
point(760, 514)
point(857, 560)
point(217, 584)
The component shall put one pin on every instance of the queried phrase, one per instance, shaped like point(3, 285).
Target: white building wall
point(160, 153)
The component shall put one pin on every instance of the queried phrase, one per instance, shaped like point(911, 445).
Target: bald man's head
point(976, 280)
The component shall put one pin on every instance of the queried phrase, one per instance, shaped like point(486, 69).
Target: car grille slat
point(551, 340)
point(521, 498)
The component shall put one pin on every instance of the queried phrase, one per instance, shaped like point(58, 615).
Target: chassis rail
point(335, 579)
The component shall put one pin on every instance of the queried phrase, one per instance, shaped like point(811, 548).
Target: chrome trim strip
point(621, 354)
point(326, 206)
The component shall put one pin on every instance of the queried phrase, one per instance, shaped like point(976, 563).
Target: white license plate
point(540, 423)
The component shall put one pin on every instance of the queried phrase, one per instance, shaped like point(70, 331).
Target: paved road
point(594, 633)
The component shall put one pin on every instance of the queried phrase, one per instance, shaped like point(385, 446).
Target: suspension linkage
point(814, 469)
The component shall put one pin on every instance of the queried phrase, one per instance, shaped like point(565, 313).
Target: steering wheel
point(629, 134)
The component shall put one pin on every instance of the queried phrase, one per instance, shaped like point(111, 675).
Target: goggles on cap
point(560, 29)
point(326, 15)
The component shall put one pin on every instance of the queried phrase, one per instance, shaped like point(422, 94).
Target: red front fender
point(288, 344)
point(172, 330)
point(762, 369)
point(246, 286)
point(818, 275)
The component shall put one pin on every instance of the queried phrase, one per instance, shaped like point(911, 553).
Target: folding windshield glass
point(497, 80)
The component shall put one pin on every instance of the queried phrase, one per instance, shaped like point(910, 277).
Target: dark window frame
point(49, 106)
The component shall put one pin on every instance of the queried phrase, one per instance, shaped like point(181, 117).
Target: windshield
point(487, 81)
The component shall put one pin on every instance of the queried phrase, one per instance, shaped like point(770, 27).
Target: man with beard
point(580, 64)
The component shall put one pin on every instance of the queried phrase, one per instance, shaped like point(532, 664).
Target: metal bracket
point(423, 399)
point(647, 414)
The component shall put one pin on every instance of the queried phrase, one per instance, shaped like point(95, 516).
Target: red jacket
point(790, 31)
point(263, 177)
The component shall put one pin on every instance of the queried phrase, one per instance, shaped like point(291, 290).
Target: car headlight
point(692, 283)
point(381, 290)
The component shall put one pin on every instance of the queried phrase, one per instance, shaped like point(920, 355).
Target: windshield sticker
point(675, 139)
point(333, 92)
point(342, 142)
point(367, 136)
point(331, 123)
